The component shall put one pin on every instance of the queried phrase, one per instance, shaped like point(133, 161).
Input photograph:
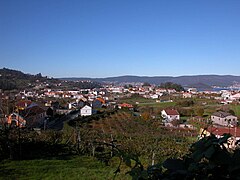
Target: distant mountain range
point(11, 79)
point(198, 81)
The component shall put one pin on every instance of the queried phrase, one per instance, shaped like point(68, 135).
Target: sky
point(103, 38)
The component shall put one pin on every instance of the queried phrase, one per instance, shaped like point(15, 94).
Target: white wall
point(86, 111)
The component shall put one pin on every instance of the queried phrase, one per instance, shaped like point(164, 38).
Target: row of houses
point(219, 118)
point(30, 114)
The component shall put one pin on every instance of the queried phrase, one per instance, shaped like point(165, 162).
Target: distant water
point(217, 89)
point(222, 88)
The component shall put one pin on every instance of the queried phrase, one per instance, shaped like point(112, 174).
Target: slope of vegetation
point(96, 137)
point(136, 135)
point(20, 80)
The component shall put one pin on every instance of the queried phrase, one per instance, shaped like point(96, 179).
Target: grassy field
point(236, 109)
point(73, 168)
point(159, 104)
point(133, 100)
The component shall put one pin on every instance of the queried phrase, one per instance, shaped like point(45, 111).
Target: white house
point(226, 95)
point(154, 96)
point(161, 90)
point(171, 91)
point(187, 95)
point(235, 97)
point(170, 115)
point(192, 90)
point(223, 119)
point(117, 90)
point(86, 111)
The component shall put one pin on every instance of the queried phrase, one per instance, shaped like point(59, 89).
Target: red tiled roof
point(101, 100)
point(224, 130)
point(126, 105)
point(171, 112)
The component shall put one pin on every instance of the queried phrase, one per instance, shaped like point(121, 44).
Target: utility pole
point(7, 98)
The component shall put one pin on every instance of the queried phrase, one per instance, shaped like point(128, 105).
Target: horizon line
point(129, 75)
point(148, 76)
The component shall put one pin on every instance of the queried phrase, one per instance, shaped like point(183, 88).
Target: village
point(141, 90)
point(44, 108)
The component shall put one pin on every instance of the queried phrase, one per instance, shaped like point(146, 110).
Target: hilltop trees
point(170, 85)
point(145, 84)
point(12, 79)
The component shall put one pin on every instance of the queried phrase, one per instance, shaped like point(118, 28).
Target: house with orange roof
point(98, 102)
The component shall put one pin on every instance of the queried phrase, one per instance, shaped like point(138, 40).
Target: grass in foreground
point(73, 168)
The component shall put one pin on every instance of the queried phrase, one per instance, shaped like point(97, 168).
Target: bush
point(185, 103)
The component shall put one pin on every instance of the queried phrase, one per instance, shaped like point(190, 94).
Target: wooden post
point(112, 145)
point(153, 158)
point(93, 149)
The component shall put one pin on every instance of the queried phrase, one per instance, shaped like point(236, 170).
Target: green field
point(236, 109)
point(159, 105)
point(72, 168)
point(133, 100)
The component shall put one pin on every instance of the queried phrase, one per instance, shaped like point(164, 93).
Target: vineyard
point(105, 136)
point(147, 139)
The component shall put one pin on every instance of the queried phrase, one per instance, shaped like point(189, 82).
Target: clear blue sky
point(101, 38)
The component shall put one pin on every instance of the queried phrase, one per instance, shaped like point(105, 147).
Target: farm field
point(138, 134)
point(158, 104)
point(76, 167)
point(138, 99)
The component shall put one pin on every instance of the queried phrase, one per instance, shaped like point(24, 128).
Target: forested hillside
point(13, 79)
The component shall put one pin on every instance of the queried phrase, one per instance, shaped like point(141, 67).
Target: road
point(58, 123)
